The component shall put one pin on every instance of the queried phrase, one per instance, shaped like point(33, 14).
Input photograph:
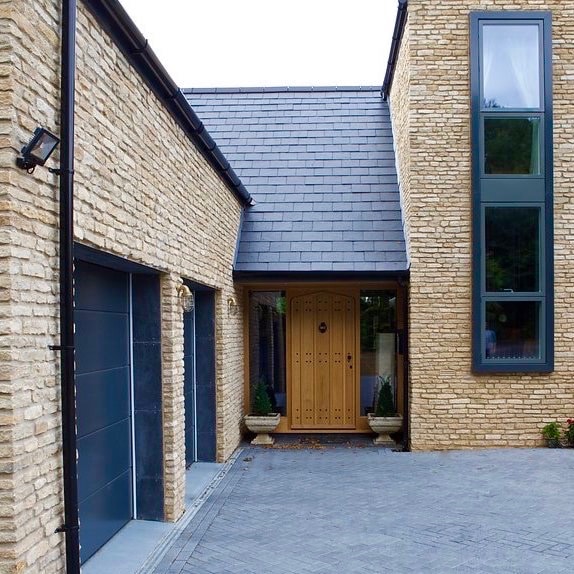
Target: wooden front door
point(322, 361)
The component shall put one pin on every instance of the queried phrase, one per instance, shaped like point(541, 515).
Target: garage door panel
point(104, 343)
point(103, 398)
point(104, 455)
point(103, 513)
point(102, 323)
point(101, 289)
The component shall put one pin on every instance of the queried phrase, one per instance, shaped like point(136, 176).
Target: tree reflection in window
point(512, 249)
point(512, 146)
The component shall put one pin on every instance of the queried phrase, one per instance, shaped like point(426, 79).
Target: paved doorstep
point(365, 510)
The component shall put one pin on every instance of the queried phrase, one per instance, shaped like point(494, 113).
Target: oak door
point(322, 331)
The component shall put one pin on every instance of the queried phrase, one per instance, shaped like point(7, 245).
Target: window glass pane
point(511, 66)
point(267, 345)
point(512, 330)
point(512, 146)
point(512, 249)
point(378, 342)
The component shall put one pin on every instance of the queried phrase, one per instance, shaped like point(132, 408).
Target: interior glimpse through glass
point(510, 66)
point(512, 146)
point(378, 346)
point(267, 310)
point(512, 330)
point(512, 239)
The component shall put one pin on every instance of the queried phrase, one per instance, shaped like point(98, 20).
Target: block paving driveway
point(348, 510)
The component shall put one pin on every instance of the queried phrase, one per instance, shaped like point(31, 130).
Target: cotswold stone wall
point(450, 406)
point(143, 192)
point(30, 437)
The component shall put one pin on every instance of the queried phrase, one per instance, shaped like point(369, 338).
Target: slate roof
point(320, 165)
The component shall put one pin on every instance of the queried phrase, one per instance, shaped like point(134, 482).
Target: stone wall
point(450, 406)
point(143, 192)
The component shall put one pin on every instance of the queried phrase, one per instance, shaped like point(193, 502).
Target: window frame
point(512, 190)
point(541, 258)
point(512, 364)
point(488, 115)
point(505, 20)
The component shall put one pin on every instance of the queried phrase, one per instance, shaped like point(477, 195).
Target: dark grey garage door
point(102, 319)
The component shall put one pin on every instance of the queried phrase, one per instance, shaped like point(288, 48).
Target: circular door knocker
point(322, 327)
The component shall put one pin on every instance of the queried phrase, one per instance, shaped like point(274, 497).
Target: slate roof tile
point(320, 165)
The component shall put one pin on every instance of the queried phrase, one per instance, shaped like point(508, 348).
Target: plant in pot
point(551, 433)
point(385, 420)
point(262, 421)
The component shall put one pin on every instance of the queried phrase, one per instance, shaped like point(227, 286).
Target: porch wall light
point(37, 150)
point(232, 306)
point(186, 298)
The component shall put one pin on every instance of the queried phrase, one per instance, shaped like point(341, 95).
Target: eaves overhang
point(121, 28)
point(319, 276)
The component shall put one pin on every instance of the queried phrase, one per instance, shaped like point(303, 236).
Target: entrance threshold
point(323, 440)
point(139, 546)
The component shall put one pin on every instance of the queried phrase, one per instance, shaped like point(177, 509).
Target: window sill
point(507, 368)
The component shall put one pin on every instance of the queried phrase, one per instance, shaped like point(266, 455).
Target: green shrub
point(261, 401)
point(551, 431)
point(385, 406)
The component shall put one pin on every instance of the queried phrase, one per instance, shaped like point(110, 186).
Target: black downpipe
point(406, 364)
point(66, 172)
point(395, 47)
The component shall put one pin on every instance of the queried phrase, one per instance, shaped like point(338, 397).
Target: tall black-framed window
point(512, 190)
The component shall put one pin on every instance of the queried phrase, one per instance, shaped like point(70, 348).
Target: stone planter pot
point(384, 426)
point(262, 425)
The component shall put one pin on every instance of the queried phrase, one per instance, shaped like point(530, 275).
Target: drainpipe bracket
point(65, 528)
point(61, 347)
point(58, 171)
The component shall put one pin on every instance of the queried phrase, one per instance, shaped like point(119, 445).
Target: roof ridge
point(281, 89)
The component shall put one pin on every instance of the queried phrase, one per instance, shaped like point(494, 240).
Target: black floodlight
point(38, 150)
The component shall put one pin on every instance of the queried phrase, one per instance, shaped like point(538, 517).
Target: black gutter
point(400, 23)
point(285, 276)
point(66, 173)
point(116, 21)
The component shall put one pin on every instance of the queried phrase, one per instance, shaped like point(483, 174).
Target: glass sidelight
point(267, 345)
point(378, 344)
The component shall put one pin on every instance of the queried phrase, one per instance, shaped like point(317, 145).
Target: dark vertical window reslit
point(267, 345)
point(512, 190)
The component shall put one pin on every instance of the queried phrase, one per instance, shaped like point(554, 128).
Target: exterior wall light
point(186, 298)
point(37, 150)
point(232, 306)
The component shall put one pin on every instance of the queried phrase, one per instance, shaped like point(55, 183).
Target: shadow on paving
point(321, 441)
point(348, 508)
